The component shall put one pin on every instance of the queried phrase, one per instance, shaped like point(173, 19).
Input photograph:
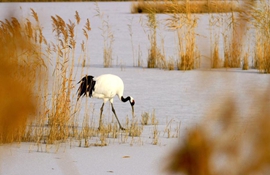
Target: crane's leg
point(100, 119)
point(113, 110)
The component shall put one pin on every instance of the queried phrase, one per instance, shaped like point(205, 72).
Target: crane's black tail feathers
point(87, 85)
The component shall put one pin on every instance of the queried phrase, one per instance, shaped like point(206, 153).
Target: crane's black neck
point(127, 99)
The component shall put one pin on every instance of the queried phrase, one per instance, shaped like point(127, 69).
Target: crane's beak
point(132, 111)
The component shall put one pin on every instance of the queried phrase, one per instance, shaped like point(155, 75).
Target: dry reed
point(108, 38)
point(169, 130)
point(145, 118)
point(216, 61)
point(131, 39)
point(245, 62)
point(156, 55)
point(154, 51)
point(155, 139)
point(184, 25)
point(226, 31)
point(171, 64)
point(60, 111)
point(84, 45)
point(261, 14)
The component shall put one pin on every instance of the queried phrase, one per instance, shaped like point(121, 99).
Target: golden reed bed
point(185, 7)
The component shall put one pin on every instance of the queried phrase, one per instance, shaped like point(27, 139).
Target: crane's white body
point(104, 87)
point(107, 86)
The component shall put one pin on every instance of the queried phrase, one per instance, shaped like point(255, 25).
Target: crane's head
point(132, 103)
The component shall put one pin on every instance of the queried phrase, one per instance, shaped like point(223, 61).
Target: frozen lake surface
point(182, 96)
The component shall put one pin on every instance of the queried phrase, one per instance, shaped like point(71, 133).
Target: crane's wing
point(87, 85)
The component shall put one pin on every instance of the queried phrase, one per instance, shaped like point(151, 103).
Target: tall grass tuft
point(216, 61)
point(108, 38)
point(245, 62)
point(261, 15)
point(228, 29)
point(152, 56)
point(215, 24)
point(184, 25)
point(131, 40)
point(60, 108)
point(236, 27)
point(156, 56)
point(235, 50)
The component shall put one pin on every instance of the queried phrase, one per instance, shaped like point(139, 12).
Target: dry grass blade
point(71, 31)
point(86, 29)
point(28, 29)
point(83, 46)
point(34, 14)
point(87, 25)
point(85, 34)
point(77, 17)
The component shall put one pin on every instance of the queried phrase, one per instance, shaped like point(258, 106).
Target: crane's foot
point(100, 128)
point(122, 128)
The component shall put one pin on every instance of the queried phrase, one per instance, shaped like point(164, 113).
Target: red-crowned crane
point(104, 87)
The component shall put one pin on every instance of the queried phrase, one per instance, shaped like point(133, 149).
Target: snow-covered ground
point(183, 97)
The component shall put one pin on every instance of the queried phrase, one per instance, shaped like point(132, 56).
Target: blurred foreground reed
point(224, 143)
point(20, 71)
